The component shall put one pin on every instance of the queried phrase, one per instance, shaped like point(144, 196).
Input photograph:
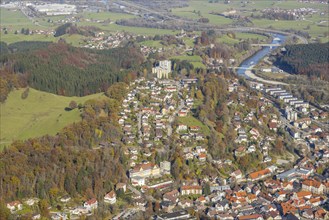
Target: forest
point(69, 28)
point(305, 59)
point(65, 70)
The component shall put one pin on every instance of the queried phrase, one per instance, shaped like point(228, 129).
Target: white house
point(181, 127)
point(91, 204)
point(14, 206)
point(110, 197)
point(65, 198)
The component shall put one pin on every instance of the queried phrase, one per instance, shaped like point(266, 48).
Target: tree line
point(305, 59)
point(65, 70)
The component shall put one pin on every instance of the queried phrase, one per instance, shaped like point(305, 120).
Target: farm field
point(39, 114)
point(15, 20)
point(202, 8)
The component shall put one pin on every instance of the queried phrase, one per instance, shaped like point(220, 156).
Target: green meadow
point(39, 114)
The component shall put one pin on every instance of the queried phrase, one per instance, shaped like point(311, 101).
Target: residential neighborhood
point(154, 111)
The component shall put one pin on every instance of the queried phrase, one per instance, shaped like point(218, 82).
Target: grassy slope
point(39, 114)
point(192, 121)
point(195, 60)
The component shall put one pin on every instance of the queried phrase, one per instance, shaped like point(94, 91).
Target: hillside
point(305, 59)
point(65, 70)
point(39, 114)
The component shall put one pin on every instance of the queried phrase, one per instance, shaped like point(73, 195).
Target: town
point(158, 112)
point(167, 109)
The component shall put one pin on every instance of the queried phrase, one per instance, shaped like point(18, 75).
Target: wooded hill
point(65, 70)
point(69, 28)
point(306, 59)
point(69, 162)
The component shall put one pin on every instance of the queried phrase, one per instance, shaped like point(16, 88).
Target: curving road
point(253, 76)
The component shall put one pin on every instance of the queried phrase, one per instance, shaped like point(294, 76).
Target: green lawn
point(196, 61)
point(189, 42)
point(39, 114)
point(152, 43)
point(227, 40)
point(202, 8)
point(15, 20)
point(192, 121)
point(193, 58)
point(238, 37)
point(12, 38)
point(198, 65)
point(243, 36)
point(135, 30)
point(106, 15)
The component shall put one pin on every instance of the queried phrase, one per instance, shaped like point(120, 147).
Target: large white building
point(291, 115)
point(165, 167)
point(145, 170)
point(55, 9)
point(163, 69)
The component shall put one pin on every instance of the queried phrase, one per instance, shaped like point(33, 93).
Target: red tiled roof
point(303, 194)
point(91, 201)
point(14, 203)
point(312, 183)
point(272, 125)
point(144, 166)
point(110, 194)
point(260, 173)
point(196, 187)
point(288, 207)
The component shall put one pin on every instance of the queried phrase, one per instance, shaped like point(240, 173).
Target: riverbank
point(251, 75)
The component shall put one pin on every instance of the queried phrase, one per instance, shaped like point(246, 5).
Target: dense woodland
point(69, 28)
point(306, 59)
point(65, 70)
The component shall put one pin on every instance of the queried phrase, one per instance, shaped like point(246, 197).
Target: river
point(253, 60)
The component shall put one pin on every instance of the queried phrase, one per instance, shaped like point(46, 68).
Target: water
point(253, 60)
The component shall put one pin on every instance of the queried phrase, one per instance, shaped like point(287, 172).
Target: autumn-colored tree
point(43, 206)
point(117, 91)
point(279, 145)
point(73, 105)
point(199, 95)
point(4, 211)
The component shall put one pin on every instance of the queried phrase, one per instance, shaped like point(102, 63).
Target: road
point(139, 127)
point(253, 76)
point(265, 45)
point(23, 10)
point(126, 213)
point(180, 106)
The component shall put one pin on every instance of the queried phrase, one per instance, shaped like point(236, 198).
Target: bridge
point(265, 45)
point(241, 68)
